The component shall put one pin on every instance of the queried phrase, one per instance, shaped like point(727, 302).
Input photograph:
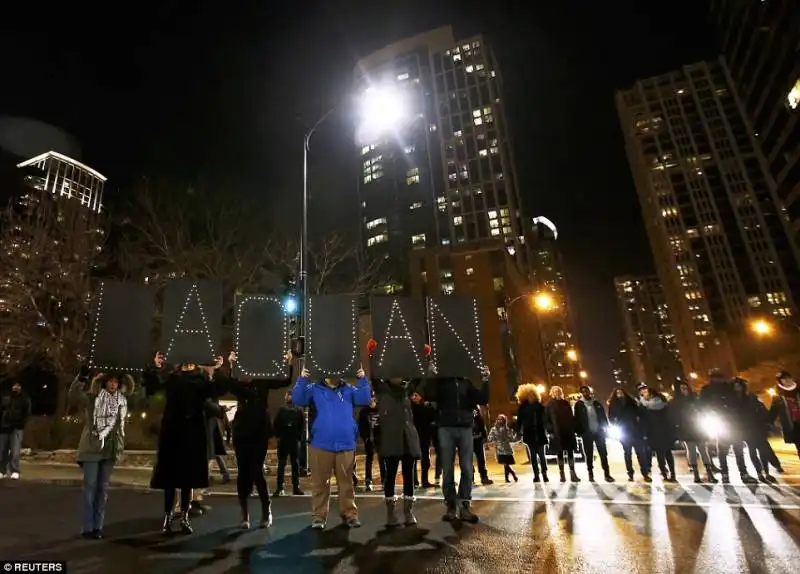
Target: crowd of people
point(399, 422)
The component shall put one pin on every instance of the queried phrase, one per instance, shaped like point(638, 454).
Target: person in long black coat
point(560, 424)
point(660, 432)
point(182, 456)
point(252, 429)
point(531, 427)
point(215, 445)
point(628, 423)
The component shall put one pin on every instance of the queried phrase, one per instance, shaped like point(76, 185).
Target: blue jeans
point(10, 448)
point(450, 440)
point(95, 493)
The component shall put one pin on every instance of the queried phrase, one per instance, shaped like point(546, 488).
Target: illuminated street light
point(572, 355)
point(544, 302)
point(761, 327)
point(584, 375)
point(693, 375)
point(382, 109)
point(541, 389)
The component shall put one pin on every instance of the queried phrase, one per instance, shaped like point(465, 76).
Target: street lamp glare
point(583, 375)
point(693, 375)
point(771, 392)
point(572, 355)
point(382, 109)
point(544, 301)
point(541, 389)
point(761, 327)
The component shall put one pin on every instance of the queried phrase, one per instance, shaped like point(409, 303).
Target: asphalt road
point(632, 528)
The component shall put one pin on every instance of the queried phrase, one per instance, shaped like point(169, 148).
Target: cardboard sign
point(332, 346)
point(398, 326)
point(123, 315)
point(192, 321)
point(454, 326)
point(261, 337)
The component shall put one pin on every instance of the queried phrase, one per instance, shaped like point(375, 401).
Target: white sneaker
point(2, 475)
point(14, 476)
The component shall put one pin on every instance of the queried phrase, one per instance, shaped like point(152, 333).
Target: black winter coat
point(659, 430)
point(561, 424)
point(456, 398)
point(478, 427)
point(182, 456)
point(214, 443)
point(686, 413)
point(398, 434)
point(424, 420)
point(531, 424)
point(752, 418)
point(582, 418)
point(629, 418)
point(252, 424)
point(289, 425)
point(369, 424)
point(15, 409)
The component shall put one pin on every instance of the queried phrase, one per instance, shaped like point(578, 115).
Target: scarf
point(107, 407)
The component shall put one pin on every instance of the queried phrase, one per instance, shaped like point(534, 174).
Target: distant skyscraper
point(556, 325)
point(621, 367)
point(652, 350)
point(446, 177)
point(760, 41)
point(65, 177)
point(719, 241)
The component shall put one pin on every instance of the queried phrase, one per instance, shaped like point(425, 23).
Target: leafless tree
point(49, 249)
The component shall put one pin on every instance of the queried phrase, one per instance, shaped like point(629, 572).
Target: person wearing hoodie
point(456, 398)
point(627, 419)
point(560, 424)
point(369, 428)
point(659, 432)
point(753, 420)
point(15, 410)
point(785, 408)
point(591, 424)
point(106, 401)
point(399, 447)
point(288, 430)
point(333, 442)
point(686, 416)
point(531, 427)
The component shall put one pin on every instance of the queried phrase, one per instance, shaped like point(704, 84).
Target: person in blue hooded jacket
point(333, 441)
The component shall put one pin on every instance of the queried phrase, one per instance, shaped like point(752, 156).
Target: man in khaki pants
point(333, 442)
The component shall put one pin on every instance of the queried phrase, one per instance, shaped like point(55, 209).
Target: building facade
point(512, 344)
point(547, 264)
point(761, 43)
point(445, 176)
point(621, 372)
point(720, 241)
point(652, 351)
point(65, 177)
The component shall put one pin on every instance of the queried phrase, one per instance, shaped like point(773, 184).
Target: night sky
point(218, 94)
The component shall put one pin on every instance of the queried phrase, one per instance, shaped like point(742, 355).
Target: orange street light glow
point(544, 302)
point(761, 327)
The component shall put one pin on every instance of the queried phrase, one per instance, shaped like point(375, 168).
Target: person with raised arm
point(105, 401)
point(182, 456)
point(252, 429)
point(333, 441)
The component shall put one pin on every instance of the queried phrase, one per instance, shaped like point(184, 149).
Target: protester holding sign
point(251, 431)
point(106, 402)
point(182, 458)
point(456, 398)
point(333, 442)
point(399, 446)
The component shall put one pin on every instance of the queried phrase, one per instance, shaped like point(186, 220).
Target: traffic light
point(290, 305)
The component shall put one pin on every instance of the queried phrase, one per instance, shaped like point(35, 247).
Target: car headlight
point(712, 426)
point(615, 432)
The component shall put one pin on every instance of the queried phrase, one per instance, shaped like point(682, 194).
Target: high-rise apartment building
point(563, 361)
point(621, 368)
point(447, 175)
point(761, 43)
point(719, 240)
point(65, 177)
point(652, 351)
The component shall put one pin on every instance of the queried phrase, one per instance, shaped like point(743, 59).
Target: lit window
point(504, 212)
point(376, 222)
point(476, 113)
point(793, 97)
point(493, 150)
point(495, 232)
point(483, 152)
point(412, 176)
point(373, 168)
point(415, 205)
point(477, 121)
point(448, 288)
point(456, 57)
point(366, 149)
point(402, 77)
point(498, 283)
point(479, 67)
point(492, 214)
point(440, 200)
point(476, 44)
point(494, 223)
point(469, 68)
point(418, 239)
point(409, 149)
point(376, 239)
point(457, 220)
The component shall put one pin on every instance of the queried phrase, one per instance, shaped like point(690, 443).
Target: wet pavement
point(569, 528)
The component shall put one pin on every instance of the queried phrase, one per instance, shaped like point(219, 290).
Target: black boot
point(536, 476)
point(590, 470)
point(630, 476)
point(466, 514)
point(451, 514)
point(561, 473)
point(572, 475)
point(186, 526)
point(245, 512)
point(166, 527)
point(544, 476)
point(711, 478)
point(696, 474)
